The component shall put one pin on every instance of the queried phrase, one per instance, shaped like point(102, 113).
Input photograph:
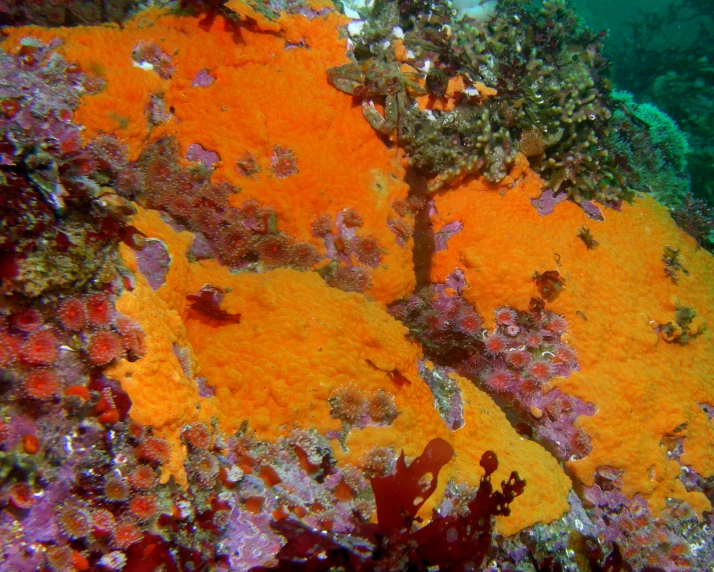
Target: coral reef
point(249, 322)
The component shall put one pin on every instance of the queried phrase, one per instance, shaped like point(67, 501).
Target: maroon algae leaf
point(399, 496)
point(207, 302)
point(458, 542)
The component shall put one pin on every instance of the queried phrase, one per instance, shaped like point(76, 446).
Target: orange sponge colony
point(616, 298)
point(282, 349)
point(262, 103)
point(299, 349)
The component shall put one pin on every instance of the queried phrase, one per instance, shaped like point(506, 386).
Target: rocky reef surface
point(303, 286)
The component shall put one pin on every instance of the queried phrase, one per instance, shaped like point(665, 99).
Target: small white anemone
point(355, 28)
point(144, 65)
point(479, 10)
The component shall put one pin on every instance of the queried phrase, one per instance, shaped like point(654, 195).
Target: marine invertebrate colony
point(57, 205)
point(213, 354)
point(537, 87)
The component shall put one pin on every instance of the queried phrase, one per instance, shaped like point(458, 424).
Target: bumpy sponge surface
point(615, 296)
point(299, 343)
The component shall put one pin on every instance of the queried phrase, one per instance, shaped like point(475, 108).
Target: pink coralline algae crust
point(445, 233)
point(250, 541)
point(153, 262)
point(203, 79)
point(668, 542)
point(513, 363)
point(592, 210)
point(546, 202)
point(196, 152)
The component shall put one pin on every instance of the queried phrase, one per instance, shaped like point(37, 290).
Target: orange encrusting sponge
point(615, 296)
point(270, 90)
point(298, 343)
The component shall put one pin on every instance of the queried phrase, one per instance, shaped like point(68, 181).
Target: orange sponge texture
point(298, 343)
point(615, 296)
point(270, 90)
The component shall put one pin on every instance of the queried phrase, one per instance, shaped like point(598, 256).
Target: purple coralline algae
point(196, 152)
point(203, 79)
point(153, 262)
